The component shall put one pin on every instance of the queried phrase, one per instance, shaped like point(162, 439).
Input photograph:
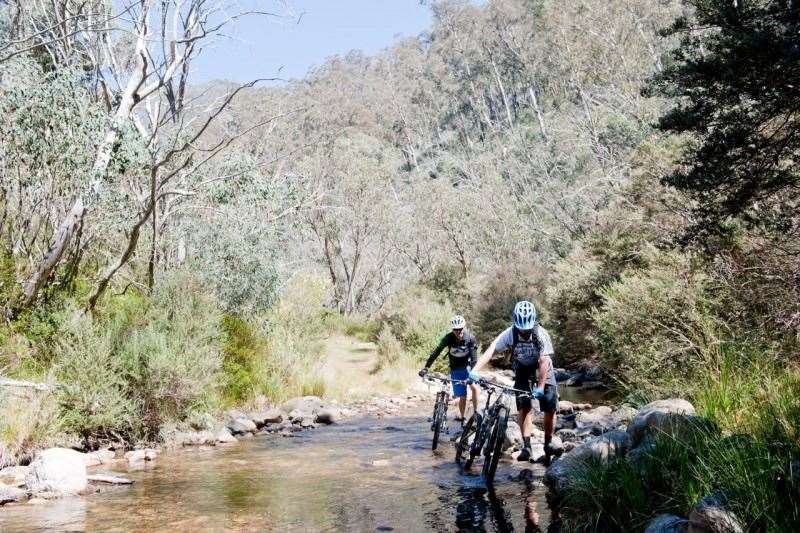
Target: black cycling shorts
point(525, 378)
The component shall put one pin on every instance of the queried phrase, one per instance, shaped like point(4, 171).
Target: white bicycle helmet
point(524, 315)
point(457, 322)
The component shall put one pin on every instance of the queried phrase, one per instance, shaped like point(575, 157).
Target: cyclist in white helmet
point(531, 355)
point(462, 352)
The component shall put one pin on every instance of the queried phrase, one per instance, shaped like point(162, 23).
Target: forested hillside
point(168, 249)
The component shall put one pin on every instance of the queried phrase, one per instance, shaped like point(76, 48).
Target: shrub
point(655, 324)
point(676, 474)
point(294, 329)
point(363, 329)
point(144, 362)
point(243, 352)
point(390, 349)
point(417, 319)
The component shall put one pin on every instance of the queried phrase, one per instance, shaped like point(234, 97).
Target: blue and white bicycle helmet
point(524, 315)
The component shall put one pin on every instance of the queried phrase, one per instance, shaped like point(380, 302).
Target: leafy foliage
point(734, 80)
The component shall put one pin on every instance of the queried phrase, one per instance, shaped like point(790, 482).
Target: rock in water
point(224, 436)
point(59, 471)
point(112, 479)
point(136, 456)
point(270, 416)
point(600, 417)
point(666, 523)
point(11, 494)
point(14, 475)
point(239, 426)
point(513, 438)
point(327, 415)
point(605, 447)
point(307, 404)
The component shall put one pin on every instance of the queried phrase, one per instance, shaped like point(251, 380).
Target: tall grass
point(756, 404)
point(29, 419)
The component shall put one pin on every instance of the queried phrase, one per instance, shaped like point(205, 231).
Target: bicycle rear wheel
point(439, 417)
point(494, 448)
point(463, 444)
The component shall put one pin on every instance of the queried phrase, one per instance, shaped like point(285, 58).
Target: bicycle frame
point(439, 418)
point(490, 426)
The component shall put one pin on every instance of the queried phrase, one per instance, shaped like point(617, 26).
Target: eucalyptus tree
point(137, 56)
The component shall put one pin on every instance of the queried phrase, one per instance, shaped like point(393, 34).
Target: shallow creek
point(361, 475)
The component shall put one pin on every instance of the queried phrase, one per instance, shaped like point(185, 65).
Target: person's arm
point(436, 351)
point(546, 357)
point(544, 365)
point(485, 358)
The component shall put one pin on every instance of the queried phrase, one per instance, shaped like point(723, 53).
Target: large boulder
point(270, 416)
point(562, 375)
point(9, 494)
point(139, 456)
point(599, 416)
point(653, 414)
point(602, 419)
point(561, 474)
point(308, 405)
point(610, 445)
point(223, 436)
point(101, 457)
point(57, 471)
point(623, 415)
point(711, 515)
point(666, 523)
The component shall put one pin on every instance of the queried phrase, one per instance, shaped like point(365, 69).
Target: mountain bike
point(439, 418)
point(485, 432)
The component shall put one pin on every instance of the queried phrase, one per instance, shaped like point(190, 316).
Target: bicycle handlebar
point(484, 383)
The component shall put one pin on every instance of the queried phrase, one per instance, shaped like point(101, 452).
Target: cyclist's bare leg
point(549, 425)
point(462, 406)
point(475, 397)
point(525, 421)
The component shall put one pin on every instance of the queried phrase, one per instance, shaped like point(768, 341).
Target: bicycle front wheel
point(463, 444)
point(439, 417)
point(494, 448)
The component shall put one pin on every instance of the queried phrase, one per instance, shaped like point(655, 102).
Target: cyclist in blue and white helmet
point(531, 356)
point(462, 350)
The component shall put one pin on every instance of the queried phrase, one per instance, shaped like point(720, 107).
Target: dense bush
point(145, 362)
point(418, 319)
point(654, 323)
point(294, 329)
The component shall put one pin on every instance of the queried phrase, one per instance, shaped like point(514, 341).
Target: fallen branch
point(5, 382)
point(108, 478)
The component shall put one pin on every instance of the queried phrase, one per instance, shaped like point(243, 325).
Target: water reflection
point(481, 509)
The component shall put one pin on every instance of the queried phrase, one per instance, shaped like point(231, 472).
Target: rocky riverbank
point(603, 435)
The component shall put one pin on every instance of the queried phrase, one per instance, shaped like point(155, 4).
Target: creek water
point(369, 474)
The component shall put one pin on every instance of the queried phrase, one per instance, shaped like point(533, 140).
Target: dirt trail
point(350, 371)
